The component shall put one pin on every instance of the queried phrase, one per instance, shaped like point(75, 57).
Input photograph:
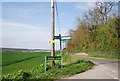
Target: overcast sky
point(28, 24)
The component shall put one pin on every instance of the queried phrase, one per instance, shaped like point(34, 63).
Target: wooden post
point(53, 31)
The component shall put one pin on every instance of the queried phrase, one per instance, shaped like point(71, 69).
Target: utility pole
point(53, 31)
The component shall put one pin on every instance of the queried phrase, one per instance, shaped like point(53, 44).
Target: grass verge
point(105, 57)
point(112, 54)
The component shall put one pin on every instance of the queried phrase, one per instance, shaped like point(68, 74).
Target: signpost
point(60, 45)
point(53, 58)
point(53, 37)
point(64, 41)
point(52, 41)
point(65, 37)
point(57, 37)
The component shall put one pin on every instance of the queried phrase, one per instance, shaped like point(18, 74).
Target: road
point(104, 69)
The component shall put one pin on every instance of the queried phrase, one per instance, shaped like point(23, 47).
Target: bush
point(38, 69)
point(19, 75)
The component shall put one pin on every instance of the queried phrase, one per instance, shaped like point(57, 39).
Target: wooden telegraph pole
point(53, 31)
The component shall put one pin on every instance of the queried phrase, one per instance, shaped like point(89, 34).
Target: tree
point(104, 8)
point(92, 34)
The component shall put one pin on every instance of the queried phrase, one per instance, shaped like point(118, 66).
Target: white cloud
point(23, 12)
point(12, 25)
point(86, 6)
point(25, 36)
point(26, 12)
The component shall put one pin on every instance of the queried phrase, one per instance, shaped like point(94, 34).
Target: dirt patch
point(82, 54)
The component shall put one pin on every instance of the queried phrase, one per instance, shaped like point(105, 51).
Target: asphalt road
point(104, 69)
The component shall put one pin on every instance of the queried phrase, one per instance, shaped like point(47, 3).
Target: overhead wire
point(58, 20)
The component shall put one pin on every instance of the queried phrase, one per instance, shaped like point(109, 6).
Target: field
point(15, 61)
point(30, 65)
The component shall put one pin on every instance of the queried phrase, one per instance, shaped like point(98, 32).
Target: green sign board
point(50, 58)
point(53, 58)
point(57, 37)
point(64, 41)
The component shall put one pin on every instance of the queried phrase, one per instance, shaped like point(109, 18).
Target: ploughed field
point(15, 61)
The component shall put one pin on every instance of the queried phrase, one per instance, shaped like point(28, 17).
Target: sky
point(28, 24)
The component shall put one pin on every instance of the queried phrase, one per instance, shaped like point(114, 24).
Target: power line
point(58, 20)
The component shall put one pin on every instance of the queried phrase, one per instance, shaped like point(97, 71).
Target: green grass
point(52, 73)
point(111, 54)
point(14, 57)
point(68, 70)
point(106, 57)
point(14, 61)
point(20, 65)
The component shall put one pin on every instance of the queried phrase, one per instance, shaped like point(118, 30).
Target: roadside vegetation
point(98, 32)
point(114, 54)
point(101, 54)
point(71, 66)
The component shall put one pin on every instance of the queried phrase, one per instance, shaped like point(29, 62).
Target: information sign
point(65, 37)
point(52, 41)
point(64, 41)
point(53, 58)
point(57, 37)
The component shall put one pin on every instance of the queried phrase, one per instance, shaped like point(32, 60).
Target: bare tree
point(104, 8)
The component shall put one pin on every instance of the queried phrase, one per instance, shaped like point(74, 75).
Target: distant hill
point(24, 50)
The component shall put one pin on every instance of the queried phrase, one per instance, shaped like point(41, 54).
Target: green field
point(30, 65)
point(15, 61)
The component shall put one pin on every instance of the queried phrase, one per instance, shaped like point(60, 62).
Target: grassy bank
point(68, 70)
point(110, 54)
point(113, 54)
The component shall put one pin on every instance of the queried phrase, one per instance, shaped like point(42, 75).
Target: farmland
point(30, 65)
point(14, 61)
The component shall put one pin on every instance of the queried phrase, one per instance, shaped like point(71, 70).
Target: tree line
point(98, 29)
